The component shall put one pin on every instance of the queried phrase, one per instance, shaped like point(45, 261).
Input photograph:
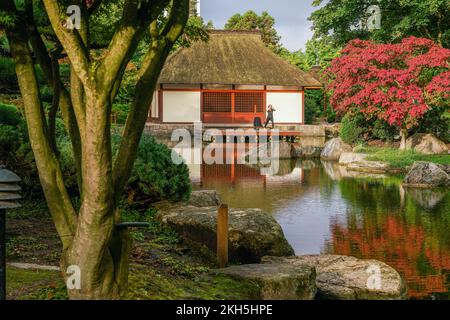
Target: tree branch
point(55, 104)
point(54, 79)
point(71, 40)
point(47, 163)
point(153, 63)
point(126, 38)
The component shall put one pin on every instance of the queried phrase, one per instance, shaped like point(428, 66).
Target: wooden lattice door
point(232, 107)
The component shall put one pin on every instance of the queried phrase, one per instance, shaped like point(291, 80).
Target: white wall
point(179, 106)
point(288, 106)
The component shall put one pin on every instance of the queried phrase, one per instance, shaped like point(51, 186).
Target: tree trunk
point(404, 136)
point(92, 243)
point(93, 250)
point(105, 277)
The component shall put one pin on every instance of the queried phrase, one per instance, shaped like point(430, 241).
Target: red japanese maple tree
point(397, 83)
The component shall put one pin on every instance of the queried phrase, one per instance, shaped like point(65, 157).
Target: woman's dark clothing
point(270, 118)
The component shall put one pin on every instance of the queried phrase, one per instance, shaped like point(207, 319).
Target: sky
point(291, 16)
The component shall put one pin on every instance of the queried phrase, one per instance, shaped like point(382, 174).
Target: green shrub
point(7, 71)
point(437, 122)
point(121, 111)
point(352, 128)
point(155, 176)
point(9, 139)
point(9, 115)
point(313, 105)
point(383, 131)
point(64, 70)
point(331, 115)
point(46, 93)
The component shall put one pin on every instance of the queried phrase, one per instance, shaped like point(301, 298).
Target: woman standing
point(270, 111)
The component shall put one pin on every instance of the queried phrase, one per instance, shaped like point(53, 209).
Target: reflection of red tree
point(404, 247)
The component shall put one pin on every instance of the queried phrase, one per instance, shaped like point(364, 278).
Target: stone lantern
point(9, 195)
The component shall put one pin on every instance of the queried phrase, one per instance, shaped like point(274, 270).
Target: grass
point(28, 284)
point(161, 265)
point(401, 158)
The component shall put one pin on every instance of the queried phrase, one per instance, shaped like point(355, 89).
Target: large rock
point(306, 151)
point(252, 232)
point(276, 281)
point(426, 144)
point(349, 278)
point(426, 175)
point(334, 148)
point(204, 198)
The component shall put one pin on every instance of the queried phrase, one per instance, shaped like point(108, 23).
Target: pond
point(322, 208)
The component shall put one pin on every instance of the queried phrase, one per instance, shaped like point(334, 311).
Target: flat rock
point(349, 278)
point(334, 148)
point(350, 157)
point(276, 281)
point(252, 232)
point(427, 175)
point(426, 144)
point(372, 167)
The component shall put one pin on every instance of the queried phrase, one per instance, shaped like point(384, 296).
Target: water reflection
point(324, 208)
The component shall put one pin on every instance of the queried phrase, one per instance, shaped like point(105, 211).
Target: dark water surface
point(322, 208)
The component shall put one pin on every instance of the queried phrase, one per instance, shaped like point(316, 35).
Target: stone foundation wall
point(165, 130)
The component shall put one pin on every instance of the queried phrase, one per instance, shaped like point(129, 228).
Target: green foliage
point(9, 115)
point(46, 93)
point(10, 135)
point(121, 112)
point(437, 122)
point(352, 128)
point(331, 114)
point(341, 20)
point(313, 105)
point(383, 131)
point(7, 71)
point(318, 52)
point(252, 21)
point(9, 139)
point(155, 176)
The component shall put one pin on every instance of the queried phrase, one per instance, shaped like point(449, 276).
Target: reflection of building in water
point(230, 165)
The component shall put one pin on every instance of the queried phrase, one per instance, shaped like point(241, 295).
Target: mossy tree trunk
point(90, 238)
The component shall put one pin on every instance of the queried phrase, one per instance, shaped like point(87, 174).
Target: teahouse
point(228, 81)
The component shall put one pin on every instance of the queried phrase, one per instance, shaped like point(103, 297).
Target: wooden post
point(2, 255)
point(222, 236)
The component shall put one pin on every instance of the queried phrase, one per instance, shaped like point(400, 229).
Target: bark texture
point(90, 237)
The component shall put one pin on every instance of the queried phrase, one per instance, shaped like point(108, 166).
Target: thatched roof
point(233, 57)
